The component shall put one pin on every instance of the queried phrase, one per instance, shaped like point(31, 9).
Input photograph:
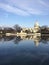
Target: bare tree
point(17, 28)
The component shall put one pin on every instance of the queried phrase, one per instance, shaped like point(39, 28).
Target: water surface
point(24, 51)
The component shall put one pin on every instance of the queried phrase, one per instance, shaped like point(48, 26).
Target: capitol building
point(35, 29)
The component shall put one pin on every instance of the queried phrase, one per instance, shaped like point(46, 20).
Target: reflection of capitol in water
point(36, 39)
point(17, 39)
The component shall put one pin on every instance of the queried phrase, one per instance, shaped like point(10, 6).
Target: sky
point(24, 12)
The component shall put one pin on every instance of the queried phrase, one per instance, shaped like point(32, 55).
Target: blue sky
point(24, 12)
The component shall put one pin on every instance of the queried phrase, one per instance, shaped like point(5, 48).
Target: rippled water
point(18, 51)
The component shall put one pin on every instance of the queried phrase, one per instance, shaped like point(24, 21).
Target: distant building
point(36, 27)
point(32, 30)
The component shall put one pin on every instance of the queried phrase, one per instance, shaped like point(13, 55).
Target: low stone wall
point(23, 34)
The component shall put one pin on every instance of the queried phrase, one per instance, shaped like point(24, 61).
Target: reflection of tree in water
point(44, 39)
point(1, 38)
point(17, 39)
point(8, 38)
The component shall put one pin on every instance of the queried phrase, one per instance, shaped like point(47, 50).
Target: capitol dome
point(36, 24)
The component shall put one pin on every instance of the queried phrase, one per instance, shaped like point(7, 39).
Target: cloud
point(12, 9)
point(25, 7)
point(44, 3)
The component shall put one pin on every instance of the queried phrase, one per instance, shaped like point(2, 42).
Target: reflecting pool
point(27, 50)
